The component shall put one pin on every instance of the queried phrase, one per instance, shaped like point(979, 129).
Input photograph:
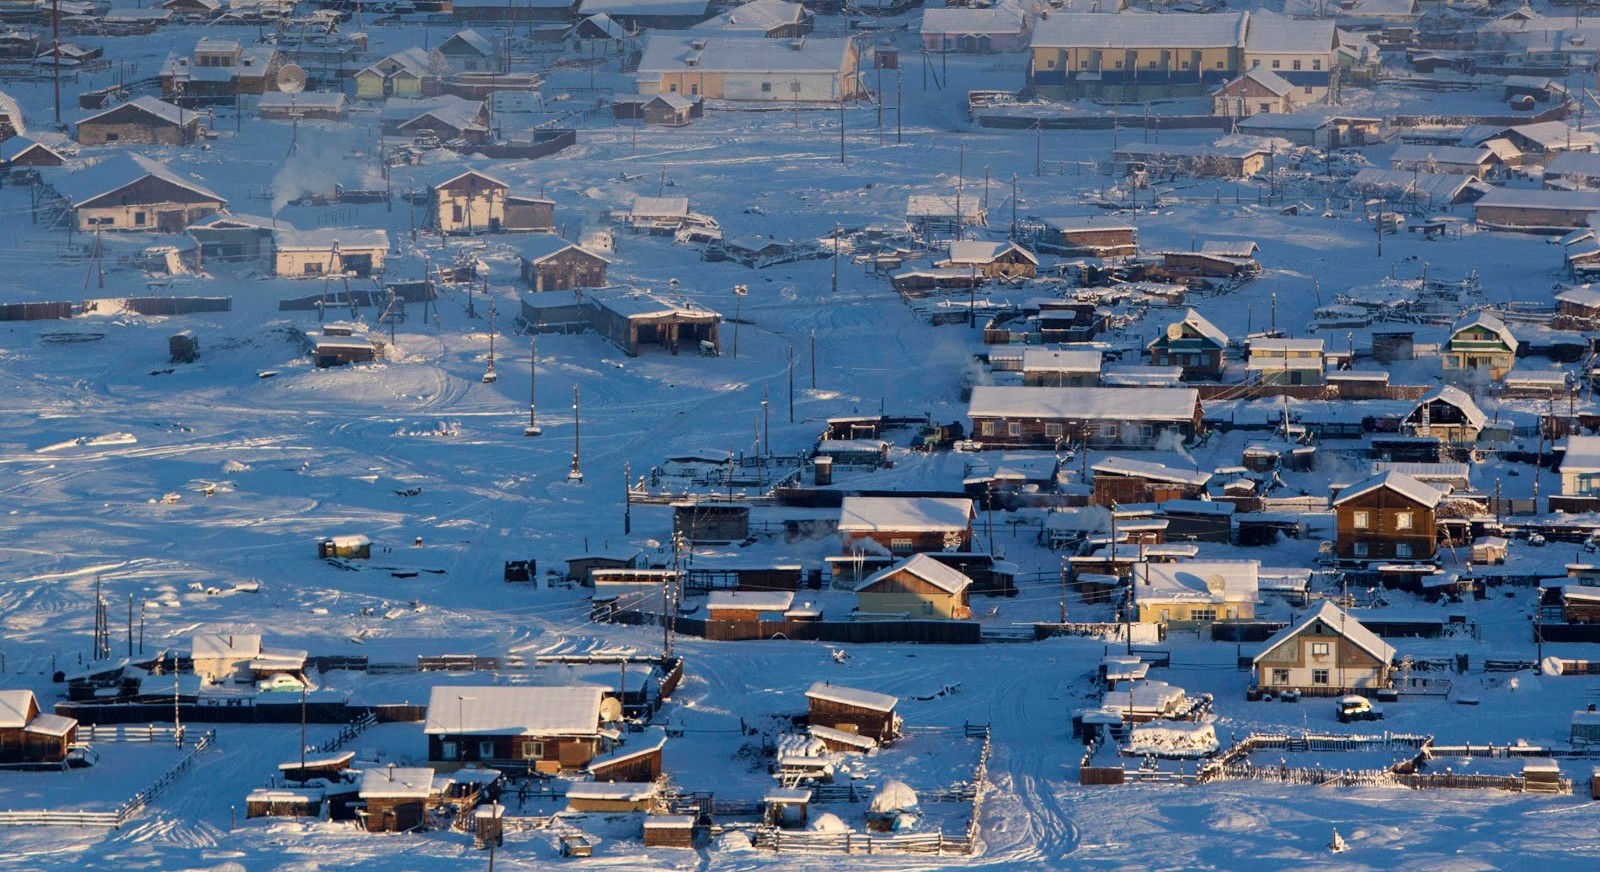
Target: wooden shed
point(284, 802)
point(595, 796)
point(671, 831)
point(346, 547)
point(862, 712)
point(786, 807)
point(397, 798)
point(711, 523)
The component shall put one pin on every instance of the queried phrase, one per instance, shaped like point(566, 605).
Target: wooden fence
point(1453, 781)
point(865, 632)
point(125, 812)
point(858, 843)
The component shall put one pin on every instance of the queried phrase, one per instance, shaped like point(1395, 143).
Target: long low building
point(1536, 210)
point(804, 70)
point(1006, 416)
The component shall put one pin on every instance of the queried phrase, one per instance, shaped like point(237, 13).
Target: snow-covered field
point(197, 492)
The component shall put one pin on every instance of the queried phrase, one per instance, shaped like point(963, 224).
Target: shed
point(608, 797)
point(786, 807)
point(671, 831)
point(858, 712)
point(711, 522)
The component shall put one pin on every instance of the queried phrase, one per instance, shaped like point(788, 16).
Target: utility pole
point(813, 357)
point(533, 395)
point(130, 626)
point(766, 426)
point(1013, 207)
point(55, 60)
point(627, 498)
point(1038, 148)
point(576, 474)
point(1063, 590)
point(302, 731)
point(835, 286)
point(898, 111)
point(791, 389)
point(841, 128)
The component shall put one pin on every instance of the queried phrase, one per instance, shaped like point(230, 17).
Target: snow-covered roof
point(1119, 404)
point(622, 792)
point(757, 16)
point(84, 184)
point(1454, 396)
point(322, 762)
point(1266, 78)
point(1576, 163)
point(1437, 187)
point(162, 110)
point(243, 645)
point(538, 248)
point(1399, 482)
point(1424, 471)
point(1200, 325)
point(235, 220)
point(853, 697)
point(514, 711)
point(756, 600)
point(1077, 223)
point(14, 705)
point(1451, 154)
point(12, 113)
point(651, 740)
point(960, 20)
point(1149, 470)
point(1204, 581)
point(51, 725)
point(1145, 697)
point(840, 737)
point(471, 39)
point(1582, 454)
point(1277, 346)
point(946, 578)
point(454, 175)
point(397, 782)
point(904, 514)
point(1341, 623)
point(14, 147)
point(644, 7)
point(1542, 198)
point(669, 52)
point(941, 206)
point(660, 207)
point(1270, 33)
point(1140, 30)
point(324, 239)
point(979, 253)
point(412, 60)
point(1487, 322)
point(1036, 359)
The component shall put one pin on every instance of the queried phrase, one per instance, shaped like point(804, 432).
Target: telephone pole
point(576, 474)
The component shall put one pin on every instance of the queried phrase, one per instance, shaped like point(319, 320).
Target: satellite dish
point(291, 79)
point(610, 710)
point(1174, 330)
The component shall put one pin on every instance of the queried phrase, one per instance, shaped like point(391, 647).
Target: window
point(1361, 520)
point(1119, 65)
point(313, 269)
point(1151, 65)
point(1277, 64)
point(1083, 65)
point(532, 750)
point(448, 750)
point(1219, 65)
point(1319, 676)
point(1052, 431)
point(1402, 520)
point(1319, 649)
point(766, 87)
point(672, 89)
point(1266, 107)
point(1203, 614)
point(985, 428)
point(138, 219)
point(694, 89)
point(1402, 549)
point(1147, 432)
point(1360, 549)
point(1316, 64)
point(1108, 431)
point(113, 137)
point(901, 546)
point(1186, 65)
point(1050, 64)
point(486, 750)
point(456, 213)
point(1308, 89)
point(1013, 429)
point(1280, 676)
point(1255, 63)
point(1297, 63)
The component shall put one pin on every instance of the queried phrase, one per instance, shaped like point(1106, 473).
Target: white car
point(280, 682)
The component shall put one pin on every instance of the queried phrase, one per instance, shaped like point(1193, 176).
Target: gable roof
point(1197, 581)
point(1122, 404)
point(1341, 623)
point(757, 16)
point(1488, 322)
point(867, 699)
point(1456, 397)
point(158, 109)
point(1400, 483)
point(17, 146)
point(967, 252)
point(667, 52)
point(1205, 328)
point(14, 706)
point(84, 184)
point(246, 645)
point(470, 39)
point(1270, 33)
point(455, 175)
point(1002, 19)
point(542, 247)
point(397, 782)
point(1266, 78)
point(1140, 30)
point(514, 711)
point(1152, 471)
point(946, 578)
point(904, 514)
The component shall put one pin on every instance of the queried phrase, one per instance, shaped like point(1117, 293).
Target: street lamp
point(739, 293)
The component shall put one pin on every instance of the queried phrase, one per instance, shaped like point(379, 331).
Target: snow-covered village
point(702, 434)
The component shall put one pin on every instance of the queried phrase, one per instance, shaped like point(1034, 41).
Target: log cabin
point(397, 798)
point(1120, 481)
point(129, 192)
point(907, 525)
point(550, 263)
point(28, 735)
point(140, 121)
point(1005, 416)
point(1387, 517)
point(1192, 343)
point(543, 729)
point(918, 588)
point(858, 712)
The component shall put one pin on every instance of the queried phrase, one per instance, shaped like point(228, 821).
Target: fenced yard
point(86, 786)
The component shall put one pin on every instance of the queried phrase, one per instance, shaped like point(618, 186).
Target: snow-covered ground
point(198, 491)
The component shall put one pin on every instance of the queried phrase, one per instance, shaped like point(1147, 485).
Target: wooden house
point(727, 67)
point(1580, 604)
point(406, 73)
point(907, 525)
point(634, 320)
point(28, 735)
point(995, 260)
point(1168, 160)
point(1446, 413)
point(1314, 129)
point(198, 10)
point(468, 51)
point(748, 605)
point(1196, 591)
point(707, 522)
point(505, 12)
point(858, 712)
point(1120, 481)
point(1192, 343)
point(1134, 56)
point(220, 70)
point(1536, 210)
point(20, 151)
point(917, 588)
point(234, 237)
point(672, 110)
point(1048, 367)
point(525, 214)
point(580, 567)
point(397, 798)
point(1573, 169)
point(129, 192)
point(342, 251)
point(1005, 416)
point(1324, 653)
point(1003, 27)
point(550, 263)
point(671, 15)
point(538, 729)
point(1580, 466)
point(284, 802)
point(1086, 236)
point(1216, 259)
point(327, 767)
point(1286, 361)
point(1390, 516)
point(140, 121)
point(1256, 91)
point(1453, 159)
point(223, 658)
point(1304, 53)
point(314, 105)
point(467, 202)
point(1480, 347)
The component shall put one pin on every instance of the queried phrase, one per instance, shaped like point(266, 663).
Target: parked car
point(280, 682)
point(1358, 708)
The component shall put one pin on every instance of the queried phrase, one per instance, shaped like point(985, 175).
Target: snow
point(928, 569)
point(1118, 31)
point(514, 711)
point(866, 699)
point(1138, 404)
point(904, 514)
point(1154, 471)
point(1400, 483)
point(397, 782)
point(1341, 623)
point(1174, 740)
point(14, 705)
point(893, 797)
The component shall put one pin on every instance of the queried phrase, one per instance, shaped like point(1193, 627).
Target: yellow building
point(1196, 591)
point(1135, 55)
point(804, 70)
point(919, 587)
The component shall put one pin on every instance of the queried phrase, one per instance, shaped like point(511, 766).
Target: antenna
point(292, 80)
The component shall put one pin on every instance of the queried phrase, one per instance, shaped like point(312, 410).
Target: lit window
point(1319, 649)
point(1402, 520)
point(1361, 520)
point(1013, 429)
point(532, 750)
point(1280, 676)
point(1052, 431)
